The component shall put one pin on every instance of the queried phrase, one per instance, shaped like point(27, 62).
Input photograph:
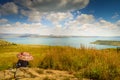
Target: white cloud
point(56, 18)
point(8, 8)
point(80, 20)
point(118, 23)
point(86, 25)
point(33, 16)
point(84, 18)
point(106, 25)
point(116, 15)
point(2, 21)
point(83, 25)
point(23, 28)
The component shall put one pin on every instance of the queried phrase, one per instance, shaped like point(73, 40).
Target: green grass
point(85, 62)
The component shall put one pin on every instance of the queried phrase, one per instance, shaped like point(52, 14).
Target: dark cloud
point(8, 8)
point(52, 5)
point(42, 6)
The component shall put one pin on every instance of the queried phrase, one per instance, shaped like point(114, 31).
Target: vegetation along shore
point(107, 42)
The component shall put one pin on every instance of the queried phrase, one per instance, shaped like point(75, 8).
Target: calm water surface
point(64, 41)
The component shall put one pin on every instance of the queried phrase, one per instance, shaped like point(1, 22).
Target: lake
point(64, 41)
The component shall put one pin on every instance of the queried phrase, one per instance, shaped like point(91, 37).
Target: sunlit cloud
point(83, 25)
point(3, 21)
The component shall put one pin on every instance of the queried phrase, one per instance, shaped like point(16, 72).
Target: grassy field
point(83, 62)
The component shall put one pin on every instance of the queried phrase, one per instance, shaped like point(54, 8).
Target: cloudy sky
point(60, 17)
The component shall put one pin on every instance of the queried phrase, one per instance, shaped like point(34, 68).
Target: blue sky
point(103, 8)
point(61, 17)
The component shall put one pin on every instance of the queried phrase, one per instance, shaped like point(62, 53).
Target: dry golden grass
point(84, 62)
point(36, 74)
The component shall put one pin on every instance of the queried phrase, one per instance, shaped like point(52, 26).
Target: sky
point(60, 17)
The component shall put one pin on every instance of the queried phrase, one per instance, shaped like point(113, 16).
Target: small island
point(106, 42)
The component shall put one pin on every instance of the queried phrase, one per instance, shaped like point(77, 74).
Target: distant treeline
point(107, 42)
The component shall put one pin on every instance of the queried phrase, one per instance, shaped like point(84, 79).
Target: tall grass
point(85, 62)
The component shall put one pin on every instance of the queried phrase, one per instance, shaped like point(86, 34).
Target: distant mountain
point(29, 35)
point(38, 35)
point(18, 35)
point(9, 35)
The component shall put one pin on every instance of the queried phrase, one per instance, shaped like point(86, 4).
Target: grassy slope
point(85, 62)
point(5, 43)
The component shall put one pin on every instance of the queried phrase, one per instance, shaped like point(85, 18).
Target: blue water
point(64, 41)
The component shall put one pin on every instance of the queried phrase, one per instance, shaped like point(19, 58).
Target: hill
point(6, 43)
point(107, 42)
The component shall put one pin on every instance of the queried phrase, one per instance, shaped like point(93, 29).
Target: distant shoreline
point(107, 42)
point(3, 35)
